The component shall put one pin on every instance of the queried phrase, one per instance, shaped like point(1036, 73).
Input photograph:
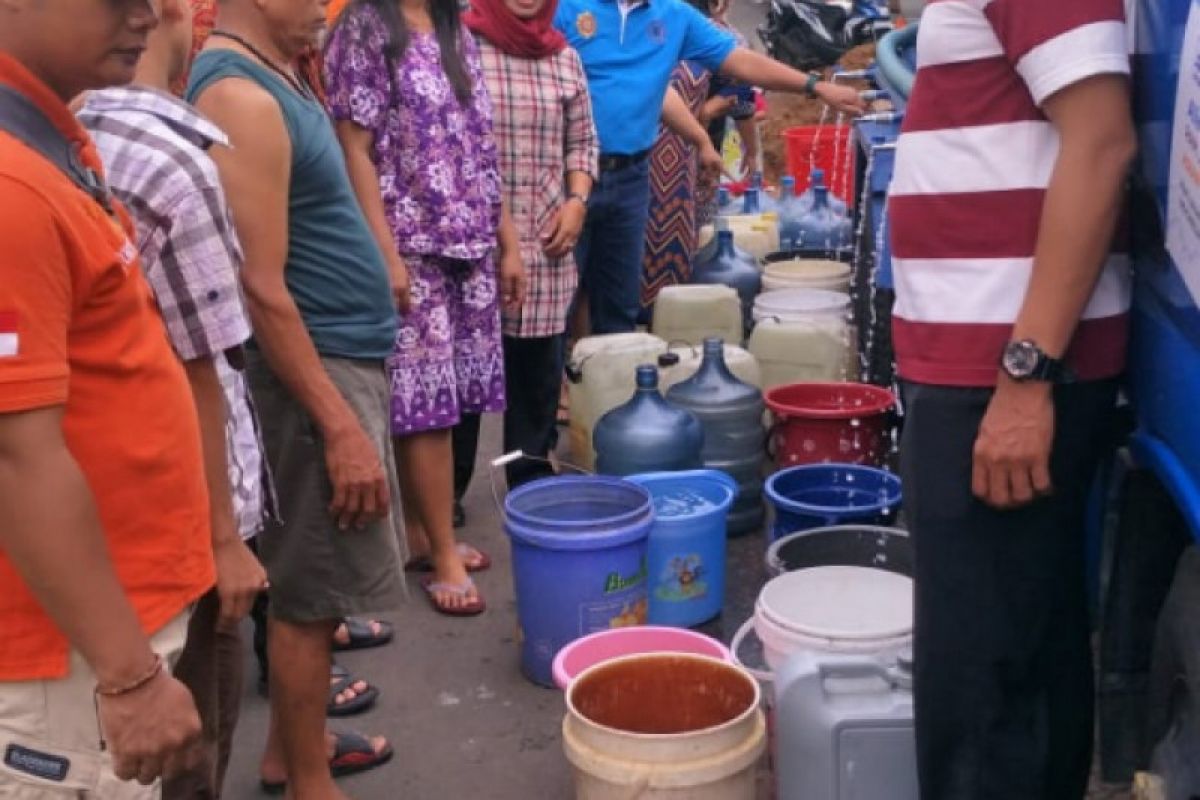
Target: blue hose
point(895, 68)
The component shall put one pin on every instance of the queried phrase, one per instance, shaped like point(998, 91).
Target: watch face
point(1020, 359)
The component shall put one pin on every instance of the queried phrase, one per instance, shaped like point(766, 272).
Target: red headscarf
point(535, 37)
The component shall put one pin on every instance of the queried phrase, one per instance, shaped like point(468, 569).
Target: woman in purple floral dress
point(406, 87)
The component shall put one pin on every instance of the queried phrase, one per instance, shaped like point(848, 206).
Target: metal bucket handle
point(518, 455)
point(736, 643)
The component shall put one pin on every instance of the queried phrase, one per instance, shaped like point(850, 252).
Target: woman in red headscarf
point(548, 154)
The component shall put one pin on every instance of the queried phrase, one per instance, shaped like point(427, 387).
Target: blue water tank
point(731, 412)
point(647, 434)
point(822, 227)
point(722, 262)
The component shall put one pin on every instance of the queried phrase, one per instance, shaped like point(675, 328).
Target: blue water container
point(579, 562)
point(647, 434)
point(823, 227)
point(723, 262)
point(823, 495)
point(686, 554)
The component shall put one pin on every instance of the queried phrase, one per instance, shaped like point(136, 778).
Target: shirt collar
point(172, 111)
point(15, 75)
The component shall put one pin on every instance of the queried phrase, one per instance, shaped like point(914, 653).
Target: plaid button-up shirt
point(153, 147)
point(544, 129)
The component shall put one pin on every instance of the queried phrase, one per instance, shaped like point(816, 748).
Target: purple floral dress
point(439, 177)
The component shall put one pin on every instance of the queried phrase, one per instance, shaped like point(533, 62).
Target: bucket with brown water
point(664, 725)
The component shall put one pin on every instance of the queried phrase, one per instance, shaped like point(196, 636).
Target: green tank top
point(335, 272)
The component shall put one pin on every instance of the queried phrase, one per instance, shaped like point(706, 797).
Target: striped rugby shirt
point(973, 163)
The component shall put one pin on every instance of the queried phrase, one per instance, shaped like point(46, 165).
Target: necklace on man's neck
point(298, 86)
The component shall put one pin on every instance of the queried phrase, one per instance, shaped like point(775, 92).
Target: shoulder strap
point(23, 120)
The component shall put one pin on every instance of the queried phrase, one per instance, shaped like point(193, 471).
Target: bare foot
point(341, 634)
point(453, 574)
point(276, 772)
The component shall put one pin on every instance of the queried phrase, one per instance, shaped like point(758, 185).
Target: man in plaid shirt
point(153, 147)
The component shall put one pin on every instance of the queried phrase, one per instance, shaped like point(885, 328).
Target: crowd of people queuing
point(261, 257)
point(263, 264)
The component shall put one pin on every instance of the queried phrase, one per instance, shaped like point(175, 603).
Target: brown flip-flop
point(473, 607)
point(425, 563)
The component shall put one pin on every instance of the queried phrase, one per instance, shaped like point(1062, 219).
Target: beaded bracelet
point(136, 684)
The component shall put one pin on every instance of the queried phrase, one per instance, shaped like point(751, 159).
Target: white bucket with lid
point(801, 305)
point(807, 273)
point(831, 609)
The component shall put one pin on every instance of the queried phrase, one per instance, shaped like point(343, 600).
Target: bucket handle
point(519, 455)
point(735, 645)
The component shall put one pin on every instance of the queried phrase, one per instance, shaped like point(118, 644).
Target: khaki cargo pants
point(50, 737)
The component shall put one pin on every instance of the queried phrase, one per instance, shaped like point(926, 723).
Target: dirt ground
point(787, 111)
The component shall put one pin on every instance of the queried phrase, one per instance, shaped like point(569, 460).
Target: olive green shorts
point(317, 571)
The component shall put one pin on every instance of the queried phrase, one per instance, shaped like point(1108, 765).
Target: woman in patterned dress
point(405, 84)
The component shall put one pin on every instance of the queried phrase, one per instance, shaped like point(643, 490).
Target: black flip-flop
point(343, 680)
point(352, 753)
point(361, 636)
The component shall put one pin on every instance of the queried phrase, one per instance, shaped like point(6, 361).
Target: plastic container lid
point(850, 603)
point(698, 291)
point(808, 268)
point(801, 301)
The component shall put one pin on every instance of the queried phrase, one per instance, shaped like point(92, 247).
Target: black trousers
point(533, 376)
point(1004, 692)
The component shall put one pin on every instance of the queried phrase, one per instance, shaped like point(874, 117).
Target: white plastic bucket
point(801, 305)
point(707, 747)
point(834, 609)
point(803, 273)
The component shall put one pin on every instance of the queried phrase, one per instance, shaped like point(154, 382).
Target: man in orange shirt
point(104, 540)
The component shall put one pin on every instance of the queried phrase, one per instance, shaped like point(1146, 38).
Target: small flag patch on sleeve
point(10, 342)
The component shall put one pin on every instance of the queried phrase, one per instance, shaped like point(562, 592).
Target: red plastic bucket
point(816, 423)
point(832, 143)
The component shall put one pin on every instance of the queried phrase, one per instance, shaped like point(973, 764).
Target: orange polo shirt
point(334, 10)
point(79, 329)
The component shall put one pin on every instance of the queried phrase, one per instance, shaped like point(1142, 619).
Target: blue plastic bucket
point(823, 495)
point(686, 554)
point(579, 562)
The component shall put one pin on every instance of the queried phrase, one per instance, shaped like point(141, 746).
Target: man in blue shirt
point(629, 49)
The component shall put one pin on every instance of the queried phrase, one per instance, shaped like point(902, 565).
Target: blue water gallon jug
point(823, 228)
point(731, 412)
point(752, 202)
point(791, 210)
point(647, 434)
point(816, 179)
point(721, 261)
point(765, 201)
point(727, 204)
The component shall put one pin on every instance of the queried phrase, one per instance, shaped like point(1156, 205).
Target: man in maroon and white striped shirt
point(1010, 327)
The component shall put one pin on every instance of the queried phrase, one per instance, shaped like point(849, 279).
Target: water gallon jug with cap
point(822, 227)
point(683, 361)
point(817, 178)
point(757, 234)
point(601, 376)
point(823, 314)
point(731, 412)
point(845, 724)
point(647, 434)
point(791, 208)
point(752, 202)
point(690, 314)
point(727, 264)
point(727, 204)
point(806, 273)
point(765, 201)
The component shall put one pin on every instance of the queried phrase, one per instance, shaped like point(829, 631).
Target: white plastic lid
point(808, 267)
point(851, 603)
point(802, 301)
point(702, 291)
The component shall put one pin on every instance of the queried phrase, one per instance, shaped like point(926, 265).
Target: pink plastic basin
point(604, 645)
